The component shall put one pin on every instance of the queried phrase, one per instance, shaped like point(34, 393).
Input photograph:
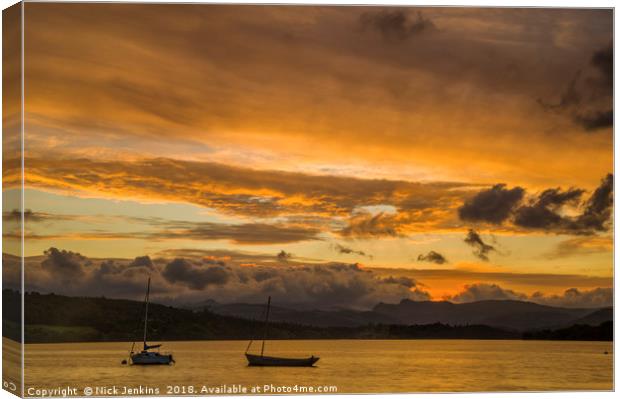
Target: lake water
point(352, 366)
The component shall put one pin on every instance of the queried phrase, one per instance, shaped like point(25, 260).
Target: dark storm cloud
point(113, 277)
point(329, 285)
point(588, 97)
point(538, 217)
point(63, 264)
point(416, 294)
point(603, 60)
point(599, 206)
point(543, 212)
point(348, 251)
point(493, 205)
point(284, 256)
point(196, 277)
point(396, 24)
point(108, 267)
point(556, 197)
point(572, 297)
point(142, 261)
point(481, 249)
point(433, 257)
point(596, 120)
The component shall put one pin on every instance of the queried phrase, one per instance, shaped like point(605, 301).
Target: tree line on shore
point(53, 318)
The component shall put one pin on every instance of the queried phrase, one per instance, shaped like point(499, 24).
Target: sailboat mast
point(146, 309)
point(262, 349)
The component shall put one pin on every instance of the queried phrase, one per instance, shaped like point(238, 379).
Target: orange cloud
point(243, 191)
point(318, 87)
point(444, 283)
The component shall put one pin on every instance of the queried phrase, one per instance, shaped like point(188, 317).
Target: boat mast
point(146, 309)
point(262, 349)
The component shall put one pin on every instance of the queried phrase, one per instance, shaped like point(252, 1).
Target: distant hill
point(597, 317)
point(319, 318)
point(504, 314)
point(57, 318)
point(509, 314)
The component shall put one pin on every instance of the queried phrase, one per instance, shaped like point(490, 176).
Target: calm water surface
point(353, 366)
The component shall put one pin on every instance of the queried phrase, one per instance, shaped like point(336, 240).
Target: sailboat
point(262, 360)
point(146, 356)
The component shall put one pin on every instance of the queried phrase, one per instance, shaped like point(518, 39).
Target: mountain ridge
point(505, 314)
point(55, 318)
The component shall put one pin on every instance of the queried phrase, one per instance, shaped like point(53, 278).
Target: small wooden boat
point(271, 361)
point(147, 357)
point(259, 360)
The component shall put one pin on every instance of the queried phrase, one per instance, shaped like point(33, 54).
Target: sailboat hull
point(268, 361)
point(145, 357)
point(150, 358)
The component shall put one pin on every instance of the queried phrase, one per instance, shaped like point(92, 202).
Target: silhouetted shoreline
point(55, 318)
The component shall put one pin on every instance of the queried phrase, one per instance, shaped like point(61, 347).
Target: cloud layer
point(224, 278)
point(572, 297)
point(303, 200)
point(363, 86)
point(184, 276)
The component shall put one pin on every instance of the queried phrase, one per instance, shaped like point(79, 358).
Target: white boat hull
point(145, 357)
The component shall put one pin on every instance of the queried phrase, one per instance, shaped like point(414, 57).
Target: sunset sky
point(451, 153)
